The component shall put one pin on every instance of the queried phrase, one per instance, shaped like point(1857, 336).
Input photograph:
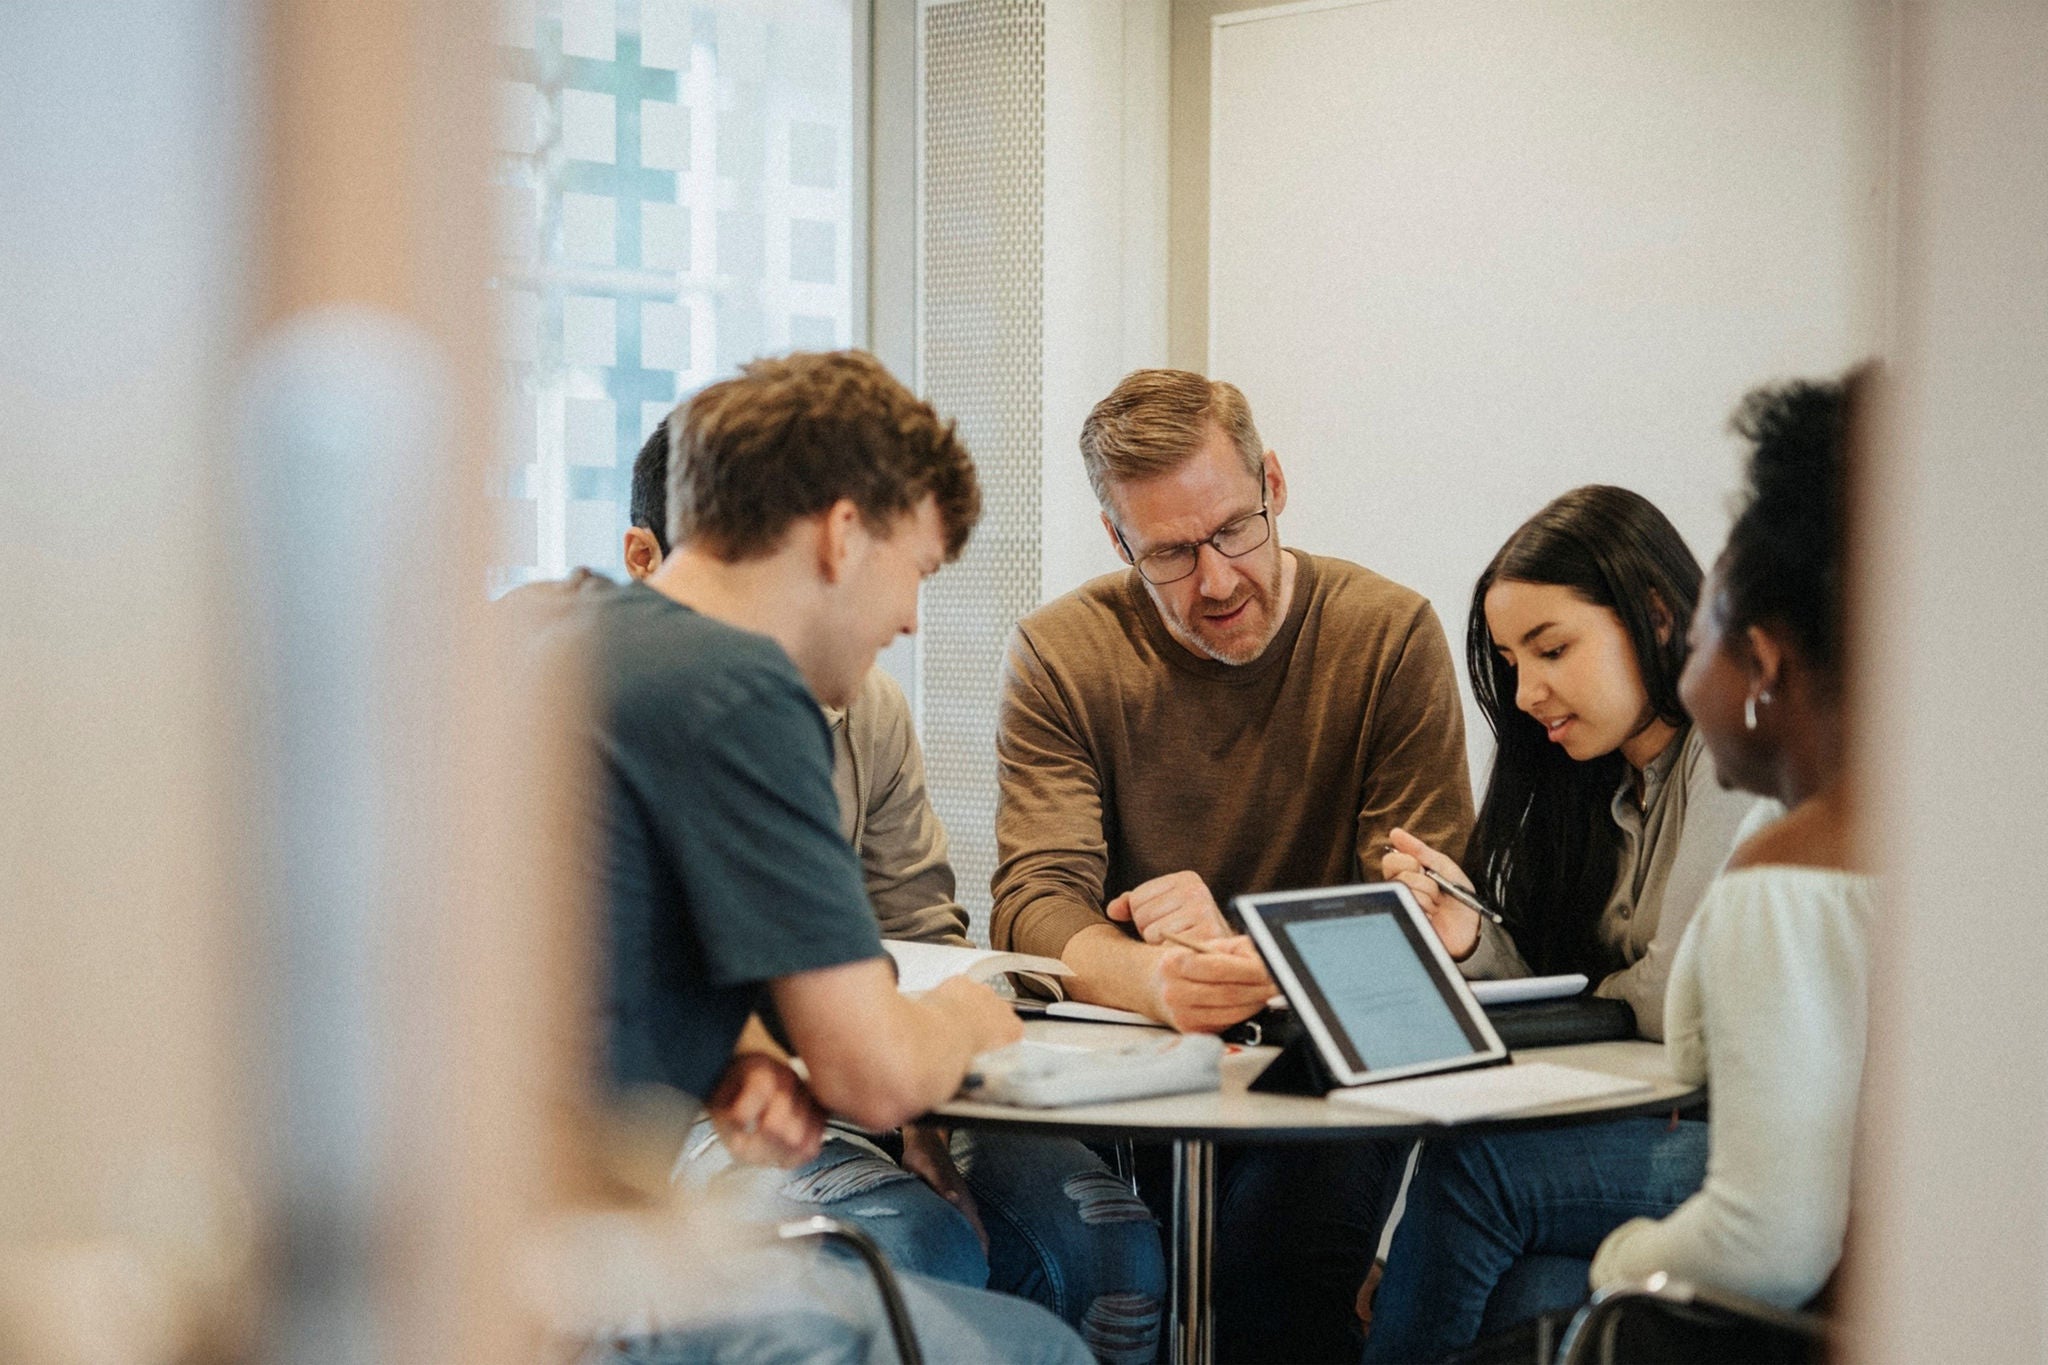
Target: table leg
point(1194, 1248)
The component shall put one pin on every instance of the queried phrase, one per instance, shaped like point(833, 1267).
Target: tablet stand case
point(1299, 1069)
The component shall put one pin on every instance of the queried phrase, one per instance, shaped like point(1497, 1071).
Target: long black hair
point(1546, 848)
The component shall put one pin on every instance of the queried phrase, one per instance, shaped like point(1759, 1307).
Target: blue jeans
point(1517, 1218)
point(841, 1323)
point(1063, 1231)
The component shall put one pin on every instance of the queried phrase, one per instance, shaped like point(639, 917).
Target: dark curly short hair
point(790, 436)
point(1785, 558)
point(649, 508)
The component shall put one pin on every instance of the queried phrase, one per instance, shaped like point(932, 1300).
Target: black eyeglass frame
point(1194, 547)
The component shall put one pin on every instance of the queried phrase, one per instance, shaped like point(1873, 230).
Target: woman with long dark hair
point(1768, 1002)
point(1602, 822)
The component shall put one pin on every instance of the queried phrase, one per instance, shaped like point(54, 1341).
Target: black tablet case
point(1557, 1023)
point(1298, 1070)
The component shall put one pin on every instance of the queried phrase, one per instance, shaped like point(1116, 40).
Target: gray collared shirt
point(1672, 845)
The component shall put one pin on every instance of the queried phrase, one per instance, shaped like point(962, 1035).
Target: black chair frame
point(1594, 1331)
point(852, 1238)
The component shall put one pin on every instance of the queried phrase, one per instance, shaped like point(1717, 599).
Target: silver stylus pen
point(1462, 896)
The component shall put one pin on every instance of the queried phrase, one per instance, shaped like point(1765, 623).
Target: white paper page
point(921, 966)
point(1519, 988)
point(1098, 1014)
point(1488, 1092)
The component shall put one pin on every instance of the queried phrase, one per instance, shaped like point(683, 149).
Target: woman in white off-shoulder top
point(1767, 998)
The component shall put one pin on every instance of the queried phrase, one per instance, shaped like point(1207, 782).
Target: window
point(677, 195)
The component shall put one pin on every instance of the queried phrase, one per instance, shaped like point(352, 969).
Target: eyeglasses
point(1231, 540)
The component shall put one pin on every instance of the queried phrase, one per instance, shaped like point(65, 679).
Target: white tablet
point(1372, 985)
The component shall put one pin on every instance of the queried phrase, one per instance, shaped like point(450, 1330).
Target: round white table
point(1193, 1124)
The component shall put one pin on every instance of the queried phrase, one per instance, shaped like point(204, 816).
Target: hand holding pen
point(1442, 890)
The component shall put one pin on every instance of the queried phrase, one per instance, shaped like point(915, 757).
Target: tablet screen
point(1370, 971)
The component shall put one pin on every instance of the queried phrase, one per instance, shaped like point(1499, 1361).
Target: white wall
point(1465, 256)
point(1105, 248)
point(120, 920)
point(1952, 1261)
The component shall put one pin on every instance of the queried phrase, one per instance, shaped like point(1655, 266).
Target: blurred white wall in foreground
point(1952, 1260)
point(125, 225)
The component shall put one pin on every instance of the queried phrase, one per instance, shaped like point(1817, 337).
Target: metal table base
point(1194, 1124)
point(1193, 1322)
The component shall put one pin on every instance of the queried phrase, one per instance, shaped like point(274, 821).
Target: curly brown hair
point(792, 435)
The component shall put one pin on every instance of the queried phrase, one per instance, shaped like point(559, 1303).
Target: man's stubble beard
point(1267, 598)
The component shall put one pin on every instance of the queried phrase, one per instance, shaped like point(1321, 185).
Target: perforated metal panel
point(982, 264)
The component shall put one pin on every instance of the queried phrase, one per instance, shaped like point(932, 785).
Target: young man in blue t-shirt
point(808, 499)
point(1035, 1215)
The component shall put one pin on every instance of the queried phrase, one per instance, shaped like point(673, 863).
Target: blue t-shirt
point(723, 864)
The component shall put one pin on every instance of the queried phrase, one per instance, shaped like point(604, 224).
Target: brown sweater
point(1124, 756)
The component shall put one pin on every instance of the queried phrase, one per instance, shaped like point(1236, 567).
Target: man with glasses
point(1228, 716)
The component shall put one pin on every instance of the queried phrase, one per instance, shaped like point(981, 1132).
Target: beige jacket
point(886, 814)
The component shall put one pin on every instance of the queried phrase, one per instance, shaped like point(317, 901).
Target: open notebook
point(921, 966)
point(1490, 1092)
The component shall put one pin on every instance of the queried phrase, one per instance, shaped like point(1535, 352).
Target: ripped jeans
point(1063, 1231)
